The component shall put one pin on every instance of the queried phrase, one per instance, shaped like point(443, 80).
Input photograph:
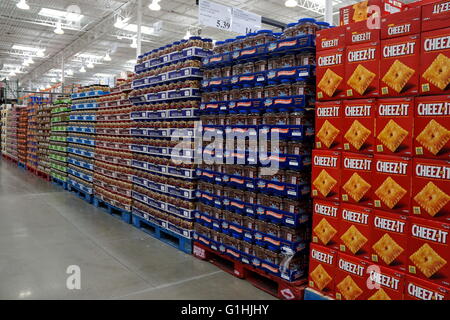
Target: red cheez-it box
point(435, 15)
point(328, 125)
point(431, 189)
point(356, 177)
point(435, 62)
point(418, 289)
point(394, 121)
point(400, 24)
point(325, 223)
point(399, 64)
point(322, 269)
point(385, 283)
point(354, 230)
point(358, 125)
point(389, 240)
point(362, 66)
point(392, 183)
point(330, 38)
point(428, 250)
point(432, 127)
point(359, 32)
point(330, 73)
point(326, 174)
point(351, 278)
point(365, 9)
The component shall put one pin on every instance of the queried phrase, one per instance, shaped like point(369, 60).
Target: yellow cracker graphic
point(427, 260)
point(349, 289)
point(387, 249)
point(357, 134)
point(320, 277)
point(438, 73)
point(324, 182)
point(353, 239)
point(380, 295)
point(360, 11)
point(390, 192)
point(329, 82)
point(398, 76)
point(434, 137)
point(328, 133)
point(432, 198)
point(392, 135)
point(356, 187)
point(361, 79)
point(324, 231)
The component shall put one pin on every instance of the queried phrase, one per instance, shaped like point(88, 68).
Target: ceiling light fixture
point(58, 29)
point(107, 57)
point(291, 3)
point(12, 73)
point(133, 43)
point(40, 53)
point(53, 80)
point(82, 69)
point(25, 63)
point(70, 72)
point(120, 23)
point(90, 65)
point(154, 6)
point(188, 35)
point(25, 48)
point(22, 4)
point(57, 14)
point(30, 60)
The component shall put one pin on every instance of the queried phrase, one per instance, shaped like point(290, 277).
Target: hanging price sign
point(214, 15)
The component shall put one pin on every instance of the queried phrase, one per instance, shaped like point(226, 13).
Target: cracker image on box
point(356, 187)
point(353, 239)
point(349, 289)
point(360, 13)
point(398, 76)
point(434, 137)
point(325, 231)
point(432, 199)
point(330, 82)
point(390, 192)
point(427, 260)
point(328, 133)
point(380, 295)
point(320, 277)
point(357, 134)
point(324, 183)
point(361, 79)
point(392, 135)
point(387, 249)
point(438, 73)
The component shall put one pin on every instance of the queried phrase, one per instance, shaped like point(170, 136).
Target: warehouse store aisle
point(44, 230)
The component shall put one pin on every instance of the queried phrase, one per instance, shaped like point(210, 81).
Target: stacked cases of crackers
point(254, 201)
point(112, 165)
point(4, 111)
point(22, 126)
point(43, 135)
point(81, 137)
point(57, 156)
point(166, 100)
point(381, 165)
point(12, 119)
point(32, 156)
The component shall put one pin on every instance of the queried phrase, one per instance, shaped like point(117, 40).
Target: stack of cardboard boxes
point(381, 164)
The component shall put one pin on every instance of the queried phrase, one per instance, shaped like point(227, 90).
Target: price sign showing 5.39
point(223, 24)
point(214, 15)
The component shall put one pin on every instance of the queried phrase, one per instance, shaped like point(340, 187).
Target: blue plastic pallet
point(171, 238)
point(59, 183)
point(80, 194)
point(21, 165)
point(112, 210)
point(311, 294)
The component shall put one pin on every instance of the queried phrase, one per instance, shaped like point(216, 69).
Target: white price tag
point(214, 15)
point(244, 22)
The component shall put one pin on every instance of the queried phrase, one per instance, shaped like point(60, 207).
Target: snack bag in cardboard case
point(401, 24)
point(384, 283)
point(322, 269)
point(356, 178)
point(326, 175)
point(330, 73)
point(351, 278)
point(330, 38)
point(358, 125)
point(419, 289)
point(428, 250)
point(328, 125)
point(394, 124)
point(435, 15)
point(325, 223)
point(354, 230)
point(431, 189)
point(389, 240)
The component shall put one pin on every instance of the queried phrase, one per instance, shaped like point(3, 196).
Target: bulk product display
point(81, 139)
point(381, 164)
point(43, 136)
point(4, 110)
point(261, 85)
point(12, 120)
point(32, 156)
point(22, 126)
point(166, 100)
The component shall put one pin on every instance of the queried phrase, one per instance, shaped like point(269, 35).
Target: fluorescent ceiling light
point(57, 14)
point(107, 57)
point(12, 74)
point(40, 53)
point(58, 29)
point(291, 3)
point(154, 5)
point(133, 28)
point(120, 23)
point(22, 4)
point(26, 48)
point(90, 65)
point(82, 69)
point(133, 43)
point(188, 35)
point(70, 72)
point(89, 56)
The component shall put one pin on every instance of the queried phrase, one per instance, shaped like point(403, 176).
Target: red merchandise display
point(322, 269)
point(351, 278)
point(330, 74)
point(401, 24)
point(385, 283)
point(435, 15)
point(325, 223)
point(419, 289)
point(326, 175)
point(360, 32)
point(358, 125)
point(330, 38)
point(356, 177)
point(328, 125)
point(363, 10)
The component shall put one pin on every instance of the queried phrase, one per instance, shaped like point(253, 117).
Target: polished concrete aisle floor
point(44, 230)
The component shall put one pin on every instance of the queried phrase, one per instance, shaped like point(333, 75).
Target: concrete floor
point(44, 230)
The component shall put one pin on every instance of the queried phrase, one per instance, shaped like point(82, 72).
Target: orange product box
point(330, 73)
point(326, 174)
point(401, 24)
point(435, 61)
point(363, 10)
point(394, 124)
point(360, 32)
point(419, 289)
point(389, 240)
point(356, 178)
point(431, 189)
point(399, 64)
point(322, 269)
point(428, 250)
point(351, 278)
point(435, 15)
point(325, 226)
point(384, 283)
point(328, 125)
point(362, 70)
point(358, 125)
point(330, 38)
point(354, 230)
point(432, 127)
point(392, 183)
